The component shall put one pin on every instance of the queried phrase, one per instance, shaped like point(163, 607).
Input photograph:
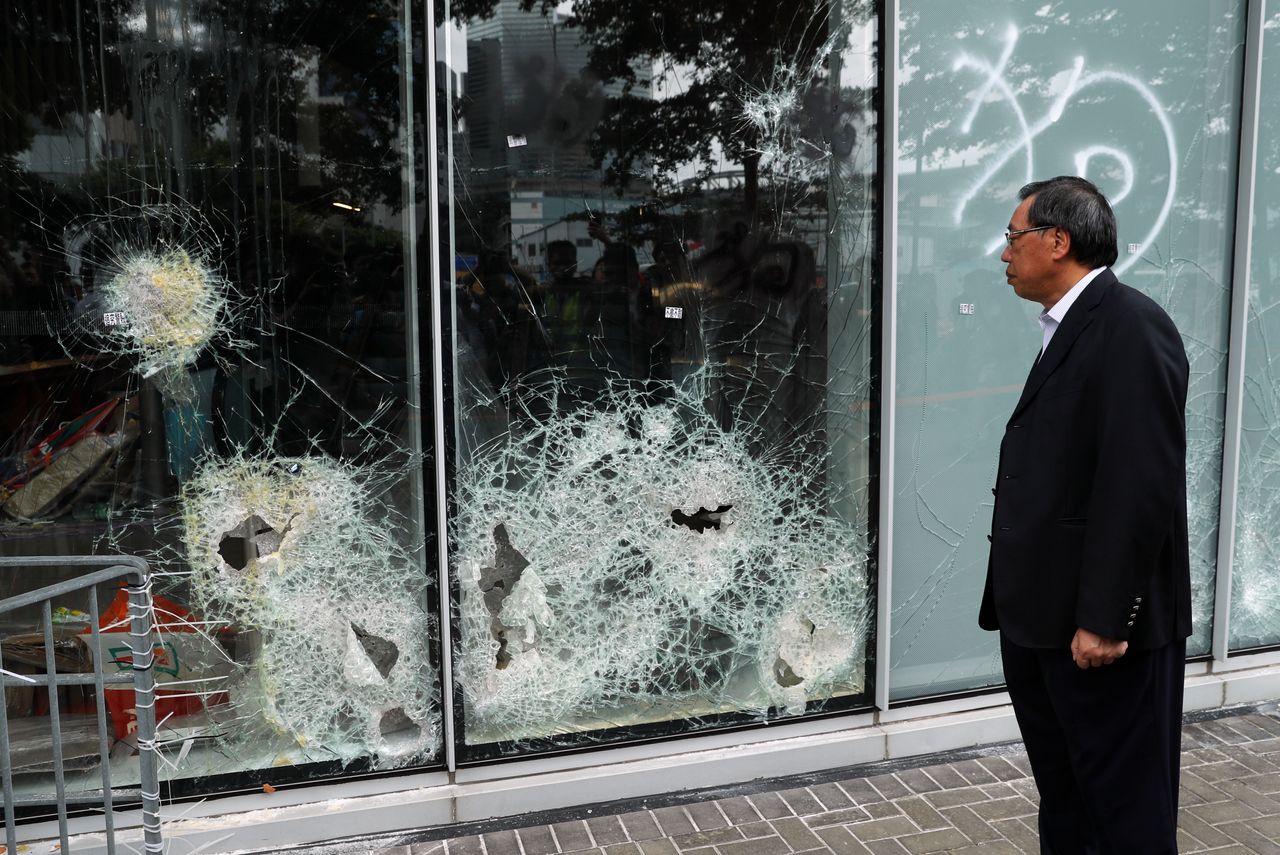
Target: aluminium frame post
point(1246, 186)
point(431, 157)
point(888, 345)
point(409, 255)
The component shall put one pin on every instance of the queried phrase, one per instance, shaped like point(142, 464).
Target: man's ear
point(1061, 244)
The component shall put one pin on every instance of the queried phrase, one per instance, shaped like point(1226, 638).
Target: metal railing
point(141, 643)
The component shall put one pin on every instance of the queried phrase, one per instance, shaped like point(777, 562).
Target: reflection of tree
point(254, 117)
point(165, 75)
point(762, 84)
point(47, 74)
point(735, 78)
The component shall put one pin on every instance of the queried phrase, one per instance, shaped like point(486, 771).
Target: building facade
point(527, 404)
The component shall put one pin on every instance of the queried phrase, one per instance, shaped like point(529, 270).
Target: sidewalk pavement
point(979, 802)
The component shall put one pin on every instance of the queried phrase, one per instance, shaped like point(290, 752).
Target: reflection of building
point(538, 219)
point(532, 102)
point(65, 151)
point(449, 85)
point(531, 105)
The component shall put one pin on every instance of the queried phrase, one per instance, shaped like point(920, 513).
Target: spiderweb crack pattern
point(307, 556)
point(161, 300)
point(337, 601)
point(170, 303)
point(804, 120)
point(609, 605)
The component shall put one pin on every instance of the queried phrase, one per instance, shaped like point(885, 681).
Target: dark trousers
point(1104, 745)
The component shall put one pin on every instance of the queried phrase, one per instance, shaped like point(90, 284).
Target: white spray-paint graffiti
point(1077, 82)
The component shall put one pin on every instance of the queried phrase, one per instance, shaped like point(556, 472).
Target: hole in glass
point(702, 519)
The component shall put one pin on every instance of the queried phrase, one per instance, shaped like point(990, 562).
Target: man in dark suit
point(1088, 581)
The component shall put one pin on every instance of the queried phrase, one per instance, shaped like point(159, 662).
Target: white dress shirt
point(1050, 318)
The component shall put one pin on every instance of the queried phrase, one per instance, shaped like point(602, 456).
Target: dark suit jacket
point(1090, 521)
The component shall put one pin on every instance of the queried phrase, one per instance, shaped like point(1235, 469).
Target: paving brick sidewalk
point(985, 804)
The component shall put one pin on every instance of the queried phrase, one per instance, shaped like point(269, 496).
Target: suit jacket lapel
point(1078, 317)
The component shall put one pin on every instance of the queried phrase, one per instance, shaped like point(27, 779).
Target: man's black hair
point(1076, 206)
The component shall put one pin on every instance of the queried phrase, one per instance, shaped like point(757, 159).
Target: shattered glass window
point(1255, 571)
point(993, 96)
point(659, 248)
point(209, 343)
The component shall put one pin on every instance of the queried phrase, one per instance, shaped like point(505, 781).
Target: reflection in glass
point(206, 351)
point(1145, 105)
point(660, 256)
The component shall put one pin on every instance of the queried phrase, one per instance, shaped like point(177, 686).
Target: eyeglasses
point(1009, 236)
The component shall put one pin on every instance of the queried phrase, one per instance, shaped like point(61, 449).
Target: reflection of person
point(1088, 579)
point(565, 295)
point(500, 318)
point(622, 303)
point(670, 283)
point(569, 311)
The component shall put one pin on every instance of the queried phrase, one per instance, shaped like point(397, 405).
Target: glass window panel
point(207, 352)
point(1141, 98)
point(660, 236)
point(1255, 581)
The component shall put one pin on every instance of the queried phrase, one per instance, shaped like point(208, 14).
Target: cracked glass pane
point(661, 257)
point(208, 348)
point(1255, 580)
point(993, 97)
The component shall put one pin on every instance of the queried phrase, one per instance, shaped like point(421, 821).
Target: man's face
point(1029, 258)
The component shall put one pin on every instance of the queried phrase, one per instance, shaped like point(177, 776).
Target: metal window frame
point(431, 159)
point(1233, 422)
point(891, 28)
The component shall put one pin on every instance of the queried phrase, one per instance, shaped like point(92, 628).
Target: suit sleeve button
point(1130, 623)
point(1137, 599)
